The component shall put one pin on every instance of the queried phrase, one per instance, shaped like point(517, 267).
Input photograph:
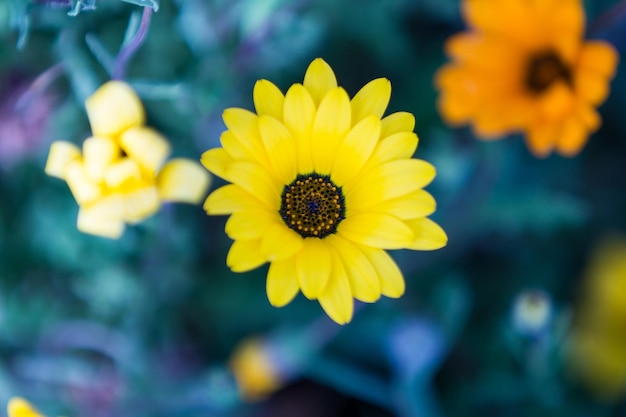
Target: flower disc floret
point(312, 205)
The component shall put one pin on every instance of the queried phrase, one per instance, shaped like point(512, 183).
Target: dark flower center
point(544, 69)
point(312, 205)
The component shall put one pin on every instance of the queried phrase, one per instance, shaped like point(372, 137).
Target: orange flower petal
point(572, 138)
point(600, 57)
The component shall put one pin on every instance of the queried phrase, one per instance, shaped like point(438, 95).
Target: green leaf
point(145, 3)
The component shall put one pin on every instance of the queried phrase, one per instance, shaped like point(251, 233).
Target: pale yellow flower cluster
point(121, 176)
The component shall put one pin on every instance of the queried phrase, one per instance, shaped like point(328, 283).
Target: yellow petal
point(228, 199)
point(363, 279)
point(124, 172)
point(140, 203)
point(397, 122)
point(282, 285)
point(336, 300)
point(371, 100)
point(319, 79)
point(249, 224)
point(19, 407)
point(355, 149)
point(401, 145)
point(268, 99)
point(391, 279)
point(410, 206)
point(83, 189)
point(103, 217)
point(378, 230)
point(114, 108)
point(146, 146)
point(244, 126)
point(332, 123)
point(389, 180)
point(233, 147)
point(244, 255)
point(280, 242)
point(60, 155)
point(217, 161)
point(428, 235)
point(280, 147)
point(313, 266)
point(183, 180)
point(254, 179)
point(299, 116)
point(98, 155)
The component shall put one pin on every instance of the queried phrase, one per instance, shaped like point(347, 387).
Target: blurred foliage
point(145, 326)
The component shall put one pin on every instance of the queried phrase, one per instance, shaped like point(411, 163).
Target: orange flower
point(524, 67)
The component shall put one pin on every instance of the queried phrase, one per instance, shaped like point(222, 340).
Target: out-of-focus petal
point(114, 108)
point(183, 180)
point(140, 203)
point(83, 189)
point(98, 155)
point(146, 146)
point(103, 218)
point(60, 155)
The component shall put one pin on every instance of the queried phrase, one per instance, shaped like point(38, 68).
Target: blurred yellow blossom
point(598, 342)
point(121, 176)
point(523, 67)
point(255, 369)
point(19, 407)
point(321, 186)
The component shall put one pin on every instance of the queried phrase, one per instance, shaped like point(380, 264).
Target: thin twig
point(40, 83)
point(129, 50)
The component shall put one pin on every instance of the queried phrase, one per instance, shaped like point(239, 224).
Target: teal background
point(144, 326)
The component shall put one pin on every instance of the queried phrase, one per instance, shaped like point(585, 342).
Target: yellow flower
point(321, 186)
point(598, 343)
point(524, 67)
point(19, 407)
point(121, 175)
point(255, 370)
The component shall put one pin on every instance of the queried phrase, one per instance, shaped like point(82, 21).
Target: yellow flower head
point(19, 407)
point(121, 175)
point(598, 343)
point(255, 370)
point(321, 186)
point(523, 67)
